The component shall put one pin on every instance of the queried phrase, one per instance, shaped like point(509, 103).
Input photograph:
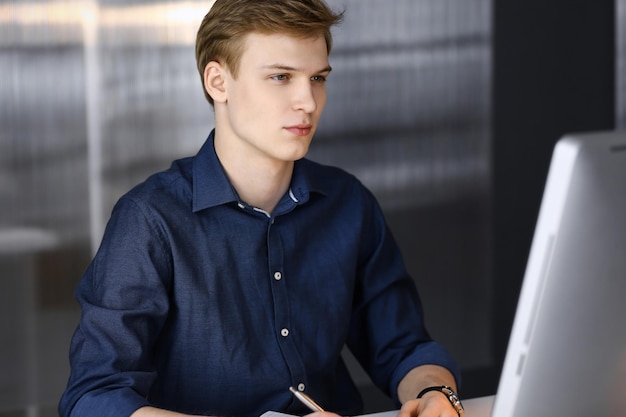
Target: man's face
point(274, 105)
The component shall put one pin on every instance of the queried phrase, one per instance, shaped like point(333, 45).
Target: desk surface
point(474, 407)
point(478, 407)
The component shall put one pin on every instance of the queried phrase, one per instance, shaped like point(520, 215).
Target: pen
point(306, 400)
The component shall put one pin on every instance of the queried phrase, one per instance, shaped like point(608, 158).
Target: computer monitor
point(567, 350)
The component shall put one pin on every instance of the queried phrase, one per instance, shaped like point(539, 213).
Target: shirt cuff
point(109, 403)
point(430, 353)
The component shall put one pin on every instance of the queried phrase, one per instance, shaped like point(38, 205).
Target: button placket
point(280, 299)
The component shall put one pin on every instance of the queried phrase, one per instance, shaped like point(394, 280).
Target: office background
point(446, 109)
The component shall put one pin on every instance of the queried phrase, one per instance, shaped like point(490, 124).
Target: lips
point(300, 130)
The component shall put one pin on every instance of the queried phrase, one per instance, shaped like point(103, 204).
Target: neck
point(260, 182)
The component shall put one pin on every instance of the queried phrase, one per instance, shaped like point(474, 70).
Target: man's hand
point(432, 404)
point(155, 412)
point(323, 414)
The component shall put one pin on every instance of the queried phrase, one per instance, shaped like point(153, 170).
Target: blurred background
point(446, 109)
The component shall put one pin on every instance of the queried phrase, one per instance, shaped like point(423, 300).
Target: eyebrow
point(293, 69)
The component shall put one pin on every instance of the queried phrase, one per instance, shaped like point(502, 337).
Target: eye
point(280, 77)
point(318, 79)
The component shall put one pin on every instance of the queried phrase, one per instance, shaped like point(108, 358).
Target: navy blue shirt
point(198, 303)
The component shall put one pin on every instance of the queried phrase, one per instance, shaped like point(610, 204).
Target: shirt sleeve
point(388, 334)
point(123, 295)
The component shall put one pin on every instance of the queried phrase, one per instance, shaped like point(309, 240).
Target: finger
point(322, 414)
point(408, 409)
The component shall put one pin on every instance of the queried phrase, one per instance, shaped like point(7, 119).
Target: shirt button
point(277, 276)
point(284, 332)
point(301, 387)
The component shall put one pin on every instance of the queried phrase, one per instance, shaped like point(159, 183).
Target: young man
point(244, 270)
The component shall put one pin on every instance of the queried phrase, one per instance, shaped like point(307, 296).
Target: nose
point(306, 97)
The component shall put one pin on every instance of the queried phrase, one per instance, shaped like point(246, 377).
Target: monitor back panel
point(567, 351)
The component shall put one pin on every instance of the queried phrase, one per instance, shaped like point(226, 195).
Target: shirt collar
point(306, 181)
point(211, 186)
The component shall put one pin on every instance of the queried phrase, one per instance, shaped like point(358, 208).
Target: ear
point(215, 81)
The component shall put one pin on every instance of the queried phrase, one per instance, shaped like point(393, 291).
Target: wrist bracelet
point(450, 395)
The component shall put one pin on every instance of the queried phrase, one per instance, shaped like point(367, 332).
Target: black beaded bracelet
point(450, 395)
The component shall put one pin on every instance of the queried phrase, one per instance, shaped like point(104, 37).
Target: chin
point(298, 154)
point(297, 157)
